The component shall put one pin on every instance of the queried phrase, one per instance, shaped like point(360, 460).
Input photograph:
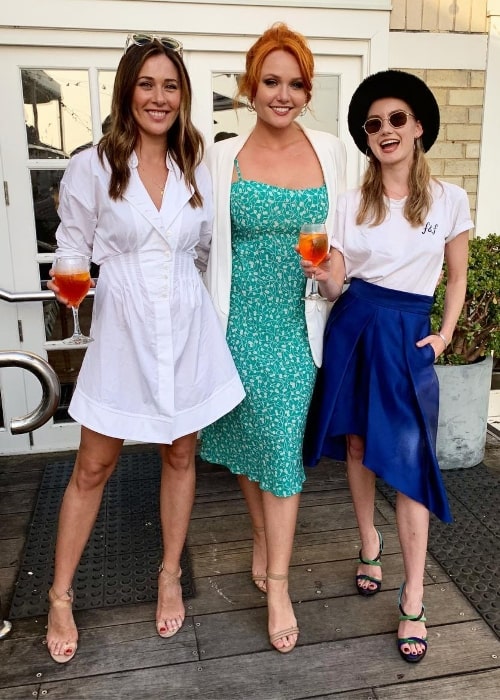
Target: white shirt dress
point(159, 367)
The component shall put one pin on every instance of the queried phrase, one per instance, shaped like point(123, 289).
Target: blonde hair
point(373, 206)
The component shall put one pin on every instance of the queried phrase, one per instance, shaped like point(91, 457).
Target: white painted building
point(58, 59)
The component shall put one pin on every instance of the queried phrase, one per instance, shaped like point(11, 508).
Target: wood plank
point(18, 502)
point(463, 15)
point(430, 15)
point(223, 506)
point(331, 545)
point(479, 21)
point(367, 694)
point(307, 582)
point(20, 692)
point(14, 526)
point(100, 650)
point(310, 519)
point(306, 673)
point(446, 16)
point(326, 620)
point(20, 481)
point(8, 577)
point(414, 15)
point(484, 685)
point(11, 552)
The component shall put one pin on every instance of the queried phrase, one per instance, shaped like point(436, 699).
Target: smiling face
point(393, 145)
point(156, 97)
point(280, 93)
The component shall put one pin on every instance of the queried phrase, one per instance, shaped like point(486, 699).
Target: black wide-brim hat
point(404, 86)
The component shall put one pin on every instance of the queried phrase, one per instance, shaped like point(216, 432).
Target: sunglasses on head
point(143, 39)
point(397, 120)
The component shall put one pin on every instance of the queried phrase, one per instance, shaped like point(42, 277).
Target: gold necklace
point(160, 187)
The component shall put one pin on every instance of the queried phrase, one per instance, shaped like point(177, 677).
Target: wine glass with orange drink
point(313, 246)
point(72, 277)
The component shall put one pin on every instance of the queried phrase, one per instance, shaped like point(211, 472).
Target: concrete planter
point(464, 392)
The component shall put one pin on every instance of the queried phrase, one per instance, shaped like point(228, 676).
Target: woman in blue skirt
point(375, 402)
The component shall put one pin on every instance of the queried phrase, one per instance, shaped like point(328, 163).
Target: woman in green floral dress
point(266, 185)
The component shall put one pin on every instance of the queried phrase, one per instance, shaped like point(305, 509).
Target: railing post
point(51, 389)
point(51, 392)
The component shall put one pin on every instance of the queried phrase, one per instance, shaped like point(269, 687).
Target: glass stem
point(76, 323)
point(314, 285)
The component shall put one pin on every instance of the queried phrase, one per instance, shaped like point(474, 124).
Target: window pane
point(227, 120)
point(56, 111)
point(45, 188)
point(66, 364)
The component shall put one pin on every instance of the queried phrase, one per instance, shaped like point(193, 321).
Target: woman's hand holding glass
point(70, 283)
point(313, 247)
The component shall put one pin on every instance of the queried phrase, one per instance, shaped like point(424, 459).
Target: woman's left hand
point(435, 341)
point(321, 272)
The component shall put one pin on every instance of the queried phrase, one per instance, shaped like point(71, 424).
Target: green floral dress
point(267, 335)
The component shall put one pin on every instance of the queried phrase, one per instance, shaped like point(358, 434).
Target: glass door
point(59, 101)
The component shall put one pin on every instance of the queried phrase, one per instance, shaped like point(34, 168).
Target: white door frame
point(361, 47)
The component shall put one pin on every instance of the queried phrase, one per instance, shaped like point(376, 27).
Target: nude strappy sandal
point(166, 578)
point(286, 632)
point(61, 602)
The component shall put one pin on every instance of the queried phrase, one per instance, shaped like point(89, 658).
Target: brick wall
point(455, 155)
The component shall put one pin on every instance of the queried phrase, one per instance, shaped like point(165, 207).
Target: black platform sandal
point(370, 562)
point(411, 658)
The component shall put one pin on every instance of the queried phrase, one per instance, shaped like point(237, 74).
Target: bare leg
point(280, 516)
point(253, 497)
point(413, 528)
point(178, 480)
point(95, 462)
point(362, 486)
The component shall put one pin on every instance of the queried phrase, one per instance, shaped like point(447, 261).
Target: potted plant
point(465, 368)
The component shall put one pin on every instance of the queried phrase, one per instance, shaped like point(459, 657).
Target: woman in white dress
point(159, 370)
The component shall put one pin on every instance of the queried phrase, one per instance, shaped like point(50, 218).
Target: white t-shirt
point(395, 254)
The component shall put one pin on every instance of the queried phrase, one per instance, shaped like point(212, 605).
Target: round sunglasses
point(142, 39)
point(397, 120)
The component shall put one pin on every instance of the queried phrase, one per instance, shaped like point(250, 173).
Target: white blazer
point(220, 160)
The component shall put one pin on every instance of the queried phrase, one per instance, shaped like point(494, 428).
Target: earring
point(368, 154)
point(250, 107)
point(303, 110)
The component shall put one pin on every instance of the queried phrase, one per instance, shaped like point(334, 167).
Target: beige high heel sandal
point(286, 632)
point(259, 579)
point(61, 602)
point(167, 579)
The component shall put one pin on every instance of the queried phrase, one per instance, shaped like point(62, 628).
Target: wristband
point(443, 338)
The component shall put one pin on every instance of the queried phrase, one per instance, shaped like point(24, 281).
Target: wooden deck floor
point(347, 646)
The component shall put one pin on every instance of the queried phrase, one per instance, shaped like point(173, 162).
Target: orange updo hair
point(278, 37)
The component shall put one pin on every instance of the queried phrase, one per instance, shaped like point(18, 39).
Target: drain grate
point(120, 562)
point(468, 549)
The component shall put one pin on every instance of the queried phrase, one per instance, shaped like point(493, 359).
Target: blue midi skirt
point(376, 383)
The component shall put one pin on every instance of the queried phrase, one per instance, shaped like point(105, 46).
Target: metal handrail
point(44, 295)
point(51, 389)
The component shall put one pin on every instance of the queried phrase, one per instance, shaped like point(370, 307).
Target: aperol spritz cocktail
point(72, 276)
point(313, 246)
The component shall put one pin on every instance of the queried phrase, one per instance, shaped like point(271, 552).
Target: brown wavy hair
point(373, 206)
point(277, 37)
point(185, 142)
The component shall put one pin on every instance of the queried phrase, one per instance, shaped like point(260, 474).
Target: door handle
point(51, 389)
